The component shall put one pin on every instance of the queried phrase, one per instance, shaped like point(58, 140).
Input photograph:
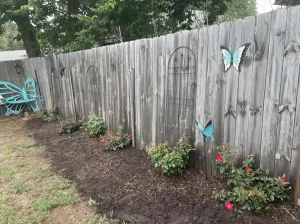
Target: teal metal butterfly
point(17, 97)
point(236, 59)
point(208, 131)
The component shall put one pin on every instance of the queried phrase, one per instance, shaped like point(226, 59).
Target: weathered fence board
point(258, 80)
point(202, 60)
point(288, 96)
point(272, 90)
point(244, 88)
point(212, 71)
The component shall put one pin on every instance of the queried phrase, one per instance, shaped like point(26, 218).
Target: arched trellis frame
point(93, 92)
point(180, 94)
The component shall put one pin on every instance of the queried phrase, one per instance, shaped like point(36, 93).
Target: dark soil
point(127, 186)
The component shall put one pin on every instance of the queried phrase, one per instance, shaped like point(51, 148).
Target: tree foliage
point(9, 40)
point(240, 9)
point(71, 25)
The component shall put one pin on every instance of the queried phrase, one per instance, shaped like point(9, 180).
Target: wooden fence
point(157, 87)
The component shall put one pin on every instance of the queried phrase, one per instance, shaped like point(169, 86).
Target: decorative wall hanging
point(208, 131)
point(16, 97)
point(236, 59)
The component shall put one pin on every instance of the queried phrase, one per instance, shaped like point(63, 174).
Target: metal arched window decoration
point(180, 93)
point(93, 91)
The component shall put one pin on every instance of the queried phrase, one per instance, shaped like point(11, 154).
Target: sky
point(265, 5)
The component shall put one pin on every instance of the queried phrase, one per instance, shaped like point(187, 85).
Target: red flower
point(102, 140)
point(106, 143)
point(76, 123)
point(60, 130)
point(229, 205)
point(219, 158)
point(283, 179)
point(225, 145)
point(249, 169)
point(129, 136)
point(113, 137)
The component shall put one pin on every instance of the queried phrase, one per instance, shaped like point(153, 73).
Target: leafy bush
point(172, 161)
point(50, 116)
point(95, 126)
point(69, 127)
point(248, 188)
point(116, 141)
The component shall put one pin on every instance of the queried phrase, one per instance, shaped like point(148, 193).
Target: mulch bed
point(127, 186)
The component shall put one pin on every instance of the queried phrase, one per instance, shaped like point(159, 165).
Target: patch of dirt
point(126, 185)
point(68, 214)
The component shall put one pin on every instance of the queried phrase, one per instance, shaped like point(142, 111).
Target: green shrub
point(95, 126)
point(172, 161)
point(50, 116)
point(116, 141)
point(69, 127)
point(248, 188)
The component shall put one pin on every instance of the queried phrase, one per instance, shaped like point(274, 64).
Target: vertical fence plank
point(288, 95)
point(244, 88)
point(272, 91)
point(258, 80)
point(219, 91)
point(191, 113)
point(155, 74)
point(138, 75)
point(232, 85)
point(146, 92)
point(212, 71)
point(202, 62)
point(161, 83)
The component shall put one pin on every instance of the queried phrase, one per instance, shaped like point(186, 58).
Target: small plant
point(248, 188)
point(95, 126)
point(116, 141)
point(92, 202)
point(69, 127)
point(50, 116)
point(172, 161)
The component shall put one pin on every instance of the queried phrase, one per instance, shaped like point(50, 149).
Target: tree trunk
point(73, 7)
point(26, 30)
point(28, 36)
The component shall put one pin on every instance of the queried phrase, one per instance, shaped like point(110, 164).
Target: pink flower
point(249, 169)
point(247, 156)
point(185, 135)
point(229, 205)
point(249, 191)
point(219, 158)
point(129, 136)
point(60, 130)
point(225, 145)
point(102, 140)
point(106, 143)
point(182, 144)
point(76, 123)
point(113, 137)
point(163, 150)
point(283, 179)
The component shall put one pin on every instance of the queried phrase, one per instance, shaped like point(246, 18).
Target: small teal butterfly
point(236, 59)
point(208, 131)
point(16, 96)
